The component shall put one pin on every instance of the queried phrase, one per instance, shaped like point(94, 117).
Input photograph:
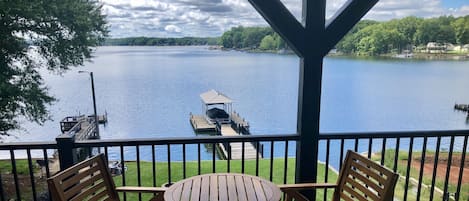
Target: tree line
point(375, 38)
point(152, 41)
point(368, 37)
point(262, 38)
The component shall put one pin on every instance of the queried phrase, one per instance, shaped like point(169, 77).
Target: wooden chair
point(360, 179)
point(90, 180)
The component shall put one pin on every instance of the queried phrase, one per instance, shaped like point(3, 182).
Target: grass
point(22, 166)
point(220, 167)
point(264, 172)
point(161, 168)
point(24, 181)
point(403, 157)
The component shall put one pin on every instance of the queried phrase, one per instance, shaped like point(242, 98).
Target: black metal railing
point(20, 177)
point(431, 163)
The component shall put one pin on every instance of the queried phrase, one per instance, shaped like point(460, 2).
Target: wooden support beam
point(314, 13)
point(311, 42)
point(283, 22)
point(344, 20)
point(309, 94)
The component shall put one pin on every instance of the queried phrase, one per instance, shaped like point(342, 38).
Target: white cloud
point(177, 18)
point(464, 10)
point(172, 29)
point(390, 9)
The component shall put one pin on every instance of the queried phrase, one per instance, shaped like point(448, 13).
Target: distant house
point(434, 47)
point(465, 48)
point(451, 47)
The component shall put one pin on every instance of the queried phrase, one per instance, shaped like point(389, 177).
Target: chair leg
point(293, 194)
point(288, 197)
point(158, 197)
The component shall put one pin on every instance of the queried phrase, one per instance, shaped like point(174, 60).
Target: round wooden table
point(223, 187)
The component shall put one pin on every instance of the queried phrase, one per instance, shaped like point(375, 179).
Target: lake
point(149, 92)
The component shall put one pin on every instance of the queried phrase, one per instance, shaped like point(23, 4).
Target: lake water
point(149, 92)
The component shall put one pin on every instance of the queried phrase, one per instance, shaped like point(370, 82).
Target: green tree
point(268, 43)
point(253, 36)
point(349, 44)
point(461, 30)
point(407, 27)
point(435, 30)
point(237, 36)
point(227, 39)
point(379, 39)
point(280, 43)
point(38, 34)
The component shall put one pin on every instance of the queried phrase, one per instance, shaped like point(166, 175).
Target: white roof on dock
point(214, 97)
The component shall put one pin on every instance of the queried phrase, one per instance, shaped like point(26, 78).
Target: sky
point(210, 18)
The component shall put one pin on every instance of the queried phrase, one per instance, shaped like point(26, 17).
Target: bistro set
point(360, 179)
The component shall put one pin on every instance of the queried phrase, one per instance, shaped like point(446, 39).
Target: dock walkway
point(200, 124)
point(82, 127)
point(250, 151)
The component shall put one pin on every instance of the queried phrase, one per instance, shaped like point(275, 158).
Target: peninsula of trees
point(367, 37)
point(150, 41)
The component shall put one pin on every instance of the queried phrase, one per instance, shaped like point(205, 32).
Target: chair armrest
point(140, 189)
point(302, 186)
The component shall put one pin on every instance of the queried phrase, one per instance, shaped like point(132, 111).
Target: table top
point(223, 187)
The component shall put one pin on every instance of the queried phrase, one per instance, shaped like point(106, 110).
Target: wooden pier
point(200, 124)
point(241, 125)
point(461, 107)
point(464, 108)
point(219, 118)
point(82, 127)
point(238, 126)
point(250, 152)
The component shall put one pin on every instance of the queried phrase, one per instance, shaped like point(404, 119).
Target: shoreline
point(389, 56)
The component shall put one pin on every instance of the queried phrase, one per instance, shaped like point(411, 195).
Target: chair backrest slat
point(362, 179)
point(87, 180)
point(100, 196)
point(82, 184)
point(89, 173)
point(366, 191)
point(88, 193)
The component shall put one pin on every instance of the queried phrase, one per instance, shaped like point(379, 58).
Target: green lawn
point(22, 169)
point(146, 169)
point(22, 166)
point(206, 167)
point(414, 173)
point(250, 165)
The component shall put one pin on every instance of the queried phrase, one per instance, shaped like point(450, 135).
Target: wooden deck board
point(250, 151)
point(199, 123)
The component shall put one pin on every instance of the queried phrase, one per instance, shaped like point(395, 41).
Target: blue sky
point(454, 3)
point(178, 18)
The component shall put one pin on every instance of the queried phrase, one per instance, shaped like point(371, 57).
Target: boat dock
point(461, 107)
point(464, 108)
point(219, 118)
point(82, 127)
point(201, 124)
point(250, 151)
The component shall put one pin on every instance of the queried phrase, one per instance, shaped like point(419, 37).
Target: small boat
point(217, 109)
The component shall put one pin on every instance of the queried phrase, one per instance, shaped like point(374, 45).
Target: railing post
point(67, 155)
point(2, 194)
